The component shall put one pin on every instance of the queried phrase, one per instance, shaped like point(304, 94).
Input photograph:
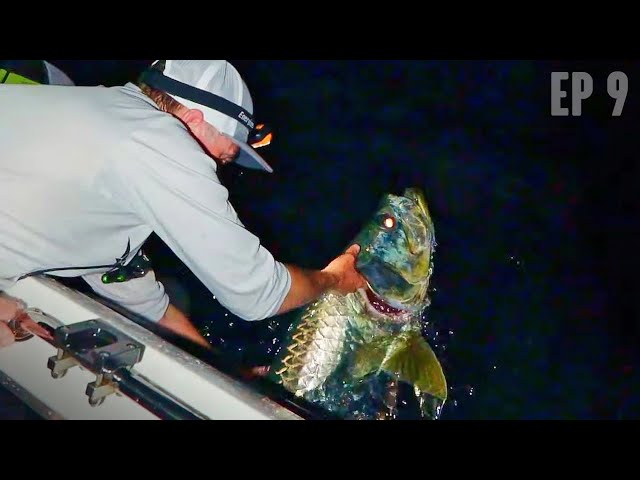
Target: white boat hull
point(197, 386)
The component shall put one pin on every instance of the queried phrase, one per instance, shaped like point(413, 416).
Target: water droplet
point(226, 314)
point(516, 260)
point(494, 367)
point(451, 333)
point(231, 324)
point(214, 297)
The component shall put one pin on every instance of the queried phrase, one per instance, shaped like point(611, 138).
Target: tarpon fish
point(349, 354)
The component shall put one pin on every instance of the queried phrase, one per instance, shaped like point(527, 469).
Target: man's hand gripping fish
point(349, 354)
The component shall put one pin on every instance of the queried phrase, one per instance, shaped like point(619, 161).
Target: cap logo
point(246, 120)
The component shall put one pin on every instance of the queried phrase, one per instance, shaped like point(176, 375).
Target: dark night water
point(533, 214)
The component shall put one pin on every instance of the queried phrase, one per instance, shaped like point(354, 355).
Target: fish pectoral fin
point(413, 360)
point(369, 357)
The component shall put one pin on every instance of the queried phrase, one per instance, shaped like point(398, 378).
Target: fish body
point(350, 353)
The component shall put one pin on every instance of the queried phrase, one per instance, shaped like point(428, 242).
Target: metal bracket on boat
point(99, 348)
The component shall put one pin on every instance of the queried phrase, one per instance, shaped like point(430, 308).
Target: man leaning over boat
point(119, 163)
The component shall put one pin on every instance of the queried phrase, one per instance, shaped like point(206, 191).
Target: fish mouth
point(377, 302)
point(381, 308)
point(400, 294)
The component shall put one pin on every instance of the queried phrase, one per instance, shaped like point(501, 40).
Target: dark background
point(534, 314)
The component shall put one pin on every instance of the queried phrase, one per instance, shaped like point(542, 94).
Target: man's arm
point(307, 285)
point(176, 321)
point(146, 296)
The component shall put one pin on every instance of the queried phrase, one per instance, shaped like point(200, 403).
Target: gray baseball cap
point(216, 88)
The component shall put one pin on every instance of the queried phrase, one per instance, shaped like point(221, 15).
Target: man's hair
point(165, 102)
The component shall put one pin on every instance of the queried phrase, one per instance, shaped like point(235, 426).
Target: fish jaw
point(379, 309)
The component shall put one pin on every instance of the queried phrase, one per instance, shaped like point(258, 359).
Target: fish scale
point(317, 344)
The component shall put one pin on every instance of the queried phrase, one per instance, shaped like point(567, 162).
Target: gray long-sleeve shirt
point(84, 170)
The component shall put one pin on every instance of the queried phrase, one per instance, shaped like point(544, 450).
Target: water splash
point(430, 407)
point(516, 261)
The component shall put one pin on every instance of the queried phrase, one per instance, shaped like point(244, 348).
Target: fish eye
point(388, 222)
